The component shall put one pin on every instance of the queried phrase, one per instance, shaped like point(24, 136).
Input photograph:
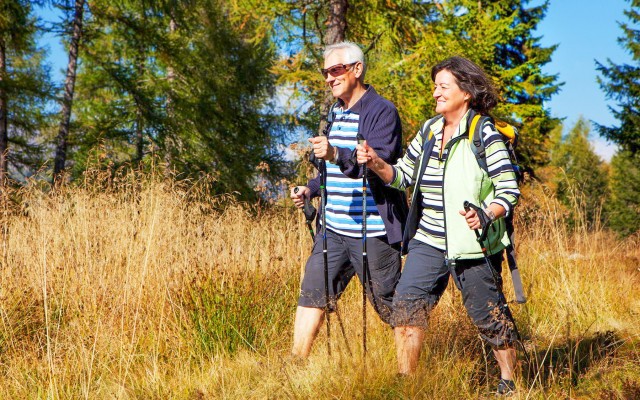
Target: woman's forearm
point(382, 169)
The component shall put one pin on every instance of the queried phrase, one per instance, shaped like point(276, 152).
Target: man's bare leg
point(305, 330)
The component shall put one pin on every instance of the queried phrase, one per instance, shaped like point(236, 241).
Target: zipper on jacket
point(444, 207)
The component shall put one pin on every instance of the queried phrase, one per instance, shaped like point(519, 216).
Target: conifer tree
point(623, 209)
point(188, 81)
point(75, 34)
point(385, 30)
point(621, 84)
point(24, 89)
point(120, 98)
point(582, 183)
point(498, 36)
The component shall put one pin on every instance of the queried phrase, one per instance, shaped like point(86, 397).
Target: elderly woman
point(443, 241)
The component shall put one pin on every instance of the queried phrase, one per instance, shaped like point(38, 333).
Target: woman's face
point(449, 97)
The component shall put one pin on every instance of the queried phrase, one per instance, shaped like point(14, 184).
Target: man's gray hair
point(353, 53)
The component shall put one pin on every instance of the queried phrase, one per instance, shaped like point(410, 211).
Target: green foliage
point(624, 207)
point(180, 81)
point(582, 180)
point(621, 83)
point(25, 86)
point(217, 87)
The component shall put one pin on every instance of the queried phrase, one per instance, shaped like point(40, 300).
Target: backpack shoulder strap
point(476, 139)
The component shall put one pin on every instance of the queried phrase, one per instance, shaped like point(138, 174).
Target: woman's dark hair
point(471, 79)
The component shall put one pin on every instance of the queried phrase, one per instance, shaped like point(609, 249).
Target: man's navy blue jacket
point(379, 124)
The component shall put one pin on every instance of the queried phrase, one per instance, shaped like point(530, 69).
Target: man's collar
point(362, 102)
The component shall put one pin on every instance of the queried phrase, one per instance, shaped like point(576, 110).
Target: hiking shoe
point(506, 388)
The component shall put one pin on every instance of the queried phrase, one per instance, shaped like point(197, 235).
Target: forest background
point(142, 179)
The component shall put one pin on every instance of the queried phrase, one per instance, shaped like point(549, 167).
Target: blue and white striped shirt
point(344, 195)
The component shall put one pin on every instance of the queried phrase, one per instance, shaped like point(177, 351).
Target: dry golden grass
point(140, 287)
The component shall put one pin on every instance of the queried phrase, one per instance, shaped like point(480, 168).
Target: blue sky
point(585, 30)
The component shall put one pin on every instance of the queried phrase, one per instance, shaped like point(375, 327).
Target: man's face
point(345, 79)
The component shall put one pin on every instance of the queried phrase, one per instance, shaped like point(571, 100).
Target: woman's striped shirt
point(431, 226)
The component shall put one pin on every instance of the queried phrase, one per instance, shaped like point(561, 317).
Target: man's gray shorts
point(424, 279)
point(344, 260)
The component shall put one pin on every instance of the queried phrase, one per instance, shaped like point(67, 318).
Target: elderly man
point(358, 110)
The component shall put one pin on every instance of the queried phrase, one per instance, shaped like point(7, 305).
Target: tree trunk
point(336, 22)
point(4, 135)
point(139, 137)
point(336, 32)
point(69, 84)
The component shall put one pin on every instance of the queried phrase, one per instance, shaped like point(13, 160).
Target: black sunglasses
point(336, 70)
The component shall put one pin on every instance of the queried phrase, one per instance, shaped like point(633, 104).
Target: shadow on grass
point(568, 364)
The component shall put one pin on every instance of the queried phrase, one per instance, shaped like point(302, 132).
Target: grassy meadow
point(140, 287)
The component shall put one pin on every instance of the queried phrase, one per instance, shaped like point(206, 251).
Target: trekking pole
point(497, 279)
point(365, 258)
point(309, 212)
point(366, 273)
point(322, 170)
point(512, 262)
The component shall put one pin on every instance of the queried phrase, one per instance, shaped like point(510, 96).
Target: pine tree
point(498, 36)
point(120, 97)
point(385, 30)
point(621, 84)
point(582, 183)
point(188, 81)
point(623, 209)
point(24, 90)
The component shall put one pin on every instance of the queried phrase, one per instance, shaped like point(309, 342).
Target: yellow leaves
point(263, 166)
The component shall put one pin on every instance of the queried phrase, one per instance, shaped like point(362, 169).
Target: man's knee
point(309, 314)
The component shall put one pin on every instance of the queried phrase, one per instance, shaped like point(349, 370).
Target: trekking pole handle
point(361, 141)
point(309, 210)
point(467, 206)
point(484, 222)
